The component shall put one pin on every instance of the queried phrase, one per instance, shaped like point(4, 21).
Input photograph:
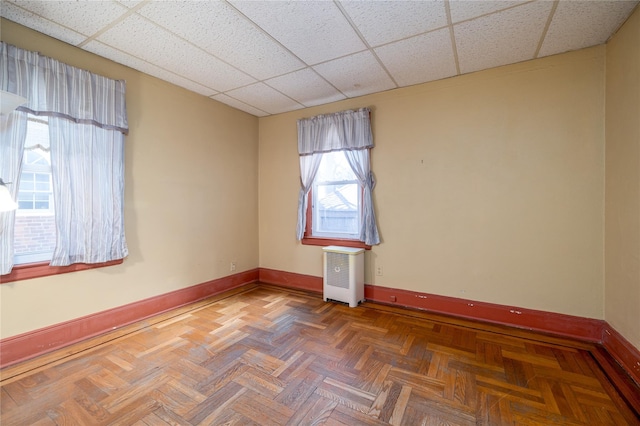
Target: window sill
point(317, 241)
point(42, 269)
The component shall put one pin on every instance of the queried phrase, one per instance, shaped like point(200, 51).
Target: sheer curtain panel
point(13, 131)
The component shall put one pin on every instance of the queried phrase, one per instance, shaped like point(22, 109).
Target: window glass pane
point(42, 182)
point(26, 182)
point(337, 209)
point(34, 237)
point(336, 199)
point(28, 204)
point(41, 177)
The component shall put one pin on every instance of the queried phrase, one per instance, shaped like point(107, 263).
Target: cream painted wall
point(490, 186)
point(190, 198)
point(622, 189)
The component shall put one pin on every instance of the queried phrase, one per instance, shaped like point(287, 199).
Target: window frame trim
point(43, 269)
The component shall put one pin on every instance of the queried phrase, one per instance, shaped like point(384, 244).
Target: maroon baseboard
point(622, 351)
point(29, 345)
point(585, 329)
point(291, 280)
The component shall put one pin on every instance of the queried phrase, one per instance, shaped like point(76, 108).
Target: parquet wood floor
point(270, 356)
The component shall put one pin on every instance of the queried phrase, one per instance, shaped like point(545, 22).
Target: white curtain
point(88, 184)
point(308, 168)
point(348, 131)
point(13, 131)
point(361, 165)
point(88, 121)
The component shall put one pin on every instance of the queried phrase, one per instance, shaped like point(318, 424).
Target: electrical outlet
point(379, 271)
point(232, 268)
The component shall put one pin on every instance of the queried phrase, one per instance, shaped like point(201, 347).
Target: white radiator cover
point(343, 276)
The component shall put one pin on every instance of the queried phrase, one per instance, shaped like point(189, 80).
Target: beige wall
point(490, 186)
point(190, 198)
point(622, 189)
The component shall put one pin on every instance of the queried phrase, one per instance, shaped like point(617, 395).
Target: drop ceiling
point(269, 57)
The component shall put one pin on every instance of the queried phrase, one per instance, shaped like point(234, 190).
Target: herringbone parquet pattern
point(270, 356)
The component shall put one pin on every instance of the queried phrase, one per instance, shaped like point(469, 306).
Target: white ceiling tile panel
point(239, 105)
point(356, 75)
point(219, 29)
point(130, 3)
point(315, 31)
point(581, 24)
point(147, 68)
point(28, 19)
point(502, 38)
point(265, 98)
point(307, 87)
point(461, 10)
point(84, 17)
point(418, 59)
point(165, 50)
point(382, 22)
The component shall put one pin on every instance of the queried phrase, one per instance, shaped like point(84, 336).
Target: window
point(64, 152)
point(335, 204)
point(35, 237)
point(336, 199)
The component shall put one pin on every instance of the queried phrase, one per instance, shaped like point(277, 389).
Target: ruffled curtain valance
point(345, 130)
point(60, 90)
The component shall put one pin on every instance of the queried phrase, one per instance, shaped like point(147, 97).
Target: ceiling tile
point(84, 17)
point(165, 50)
point(315, 31)
point(239, 105)
point(580, 24)
point(265, 98)
point(462, 10)
point(307, 87)
point(130, 3)
point(502, 38)
point(356, 75)
point(219, 29)
point(31, 20)
point(147, 68)
point(382, 22)
point(418, 59)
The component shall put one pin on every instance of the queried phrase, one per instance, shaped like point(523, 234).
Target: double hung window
point(335, 201)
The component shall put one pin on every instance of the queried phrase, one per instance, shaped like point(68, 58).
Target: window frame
point(43, 269)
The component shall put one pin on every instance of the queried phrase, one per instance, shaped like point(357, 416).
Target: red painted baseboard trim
point(38, 342)
point(585, 329)
point(291, 280)
point(622, 351)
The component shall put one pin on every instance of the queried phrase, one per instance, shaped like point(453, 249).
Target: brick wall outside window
point(34, 234)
